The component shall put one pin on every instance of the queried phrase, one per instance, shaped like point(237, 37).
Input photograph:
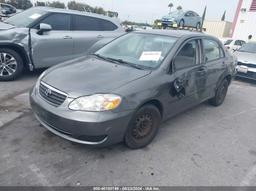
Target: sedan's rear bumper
point(90, 128)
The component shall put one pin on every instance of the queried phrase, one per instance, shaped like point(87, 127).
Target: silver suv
point(42, 37)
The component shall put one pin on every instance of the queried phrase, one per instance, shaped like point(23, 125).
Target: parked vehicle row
point(123, 91)
point(43, 37)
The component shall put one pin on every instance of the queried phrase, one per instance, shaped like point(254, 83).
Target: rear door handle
point(67, 37)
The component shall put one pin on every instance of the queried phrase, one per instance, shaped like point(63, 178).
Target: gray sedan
point(127, 88)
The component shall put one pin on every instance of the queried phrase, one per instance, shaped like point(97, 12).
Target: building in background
point(245, 20)
point(220, 29)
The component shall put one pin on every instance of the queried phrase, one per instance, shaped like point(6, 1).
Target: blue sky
point(148, 10)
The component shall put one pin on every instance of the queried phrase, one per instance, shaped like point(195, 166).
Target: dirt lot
point(205, 146)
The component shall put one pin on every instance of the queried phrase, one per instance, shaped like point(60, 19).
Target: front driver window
point(58, 21)
point(187, 56)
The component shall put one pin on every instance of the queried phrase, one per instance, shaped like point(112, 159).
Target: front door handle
point(67, 37)
point(201, 71)
point(100, 36)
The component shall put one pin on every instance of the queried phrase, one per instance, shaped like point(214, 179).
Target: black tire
point(182, 24)
point(143, 127)
point(14, 70)
point(220, 94)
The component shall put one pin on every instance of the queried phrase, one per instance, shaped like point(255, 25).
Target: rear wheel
point(11, 64)
point(198, 26)
point(143, 127)
point(182, 24)
point(220, 94)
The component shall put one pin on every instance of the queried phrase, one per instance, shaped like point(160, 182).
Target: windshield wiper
point(119, 61)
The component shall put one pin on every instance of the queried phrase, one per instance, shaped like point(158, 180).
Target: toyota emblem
point(48, 92)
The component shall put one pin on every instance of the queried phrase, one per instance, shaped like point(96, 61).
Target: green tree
point(40, 3)
point(99, 10)
point(56, 4)
point(73, 5)
point(20, 4)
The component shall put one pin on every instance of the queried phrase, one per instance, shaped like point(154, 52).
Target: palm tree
point(170, 6)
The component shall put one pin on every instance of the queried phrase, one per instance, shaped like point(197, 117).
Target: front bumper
point(90, 128)
point(169, 23)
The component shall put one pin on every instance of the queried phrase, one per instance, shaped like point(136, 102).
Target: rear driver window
point(86, 23)
point(212, 50)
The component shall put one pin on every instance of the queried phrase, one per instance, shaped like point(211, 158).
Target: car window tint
point(212, 50)
point(187, 56)
point(228, 42)
point(107, 25)
point(86, 23)
point(58, 21)
point(238, 43)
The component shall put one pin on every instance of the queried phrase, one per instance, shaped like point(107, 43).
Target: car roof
point(173, 33)
point(58, 10)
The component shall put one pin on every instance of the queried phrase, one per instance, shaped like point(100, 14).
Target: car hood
point(91, 76)
point(246, 57)
point(5, 26)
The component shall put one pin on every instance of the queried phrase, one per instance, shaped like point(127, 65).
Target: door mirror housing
point(44, 28)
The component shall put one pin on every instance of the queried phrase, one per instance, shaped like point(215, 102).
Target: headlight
point(97, 102)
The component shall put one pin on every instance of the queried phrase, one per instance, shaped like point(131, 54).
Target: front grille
point(51, 95)
point(247, 64)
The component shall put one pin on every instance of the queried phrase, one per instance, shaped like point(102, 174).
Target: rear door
point(87, 30)
point(190, 77)
point(55, 46)
point(215, 62)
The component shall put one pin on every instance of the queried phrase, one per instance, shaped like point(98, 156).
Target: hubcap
point(8, 64)
point(143, 126)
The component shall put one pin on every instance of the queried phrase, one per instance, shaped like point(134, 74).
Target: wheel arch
point(226, 76)
point(20, 50)
point(154, 102)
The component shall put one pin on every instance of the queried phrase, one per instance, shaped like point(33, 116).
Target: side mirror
point(43, 28)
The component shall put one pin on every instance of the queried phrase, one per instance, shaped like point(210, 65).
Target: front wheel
point(220, 94)
point(11, 65)
point(143, 127)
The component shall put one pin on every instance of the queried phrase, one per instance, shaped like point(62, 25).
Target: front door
point(55, 46)
point(215, 61)
point(190, 78)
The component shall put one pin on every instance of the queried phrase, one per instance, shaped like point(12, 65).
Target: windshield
point(249, 47)
point(176, 13)
point(228, 42)
point(142, 50)
point(25, 18)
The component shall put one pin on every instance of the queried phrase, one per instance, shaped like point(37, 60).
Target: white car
point(246, 57)
point(233, 44)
